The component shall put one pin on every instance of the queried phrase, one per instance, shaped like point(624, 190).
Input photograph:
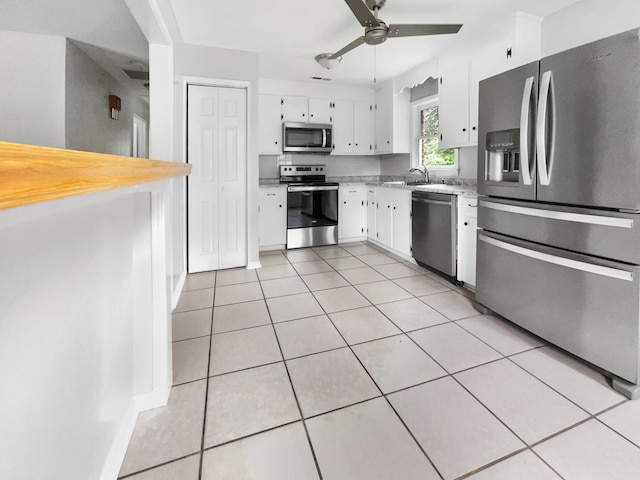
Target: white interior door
point(216, 148)
point(232, 174)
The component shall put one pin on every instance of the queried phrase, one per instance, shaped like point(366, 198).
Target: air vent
point(137, 74)
point(321, 78)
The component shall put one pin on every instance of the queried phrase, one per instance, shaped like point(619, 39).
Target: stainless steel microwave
point(306, 137)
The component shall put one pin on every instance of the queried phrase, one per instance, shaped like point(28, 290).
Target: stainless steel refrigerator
point(559, 239)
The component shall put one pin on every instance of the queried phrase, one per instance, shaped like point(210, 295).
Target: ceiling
point(289, 33)
point(104, 29)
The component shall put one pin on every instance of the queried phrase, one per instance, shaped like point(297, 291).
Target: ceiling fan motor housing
point(376, 35)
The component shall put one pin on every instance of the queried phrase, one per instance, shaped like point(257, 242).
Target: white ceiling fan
point(376, 31)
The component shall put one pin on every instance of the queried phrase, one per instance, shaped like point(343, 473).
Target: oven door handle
point(311, 189)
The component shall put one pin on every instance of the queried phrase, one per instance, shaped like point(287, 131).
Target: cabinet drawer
point(352, 191)
point(272, 194)
point(468, 207)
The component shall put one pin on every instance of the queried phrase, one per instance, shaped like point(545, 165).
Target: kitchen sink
point(409, 183)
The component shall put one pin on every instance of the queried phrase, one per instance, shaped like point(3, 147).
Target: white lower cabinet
point(352, 219)
point(393, 219)
point(272, 217)
point(371, 213)
point(402, 221)
point(467, 228)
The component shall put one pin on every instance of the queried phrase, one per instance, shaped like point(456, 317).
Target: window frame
point(416, 136)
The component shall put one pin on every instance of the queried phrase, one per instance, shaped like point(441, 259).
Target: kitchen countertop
point(466, 190)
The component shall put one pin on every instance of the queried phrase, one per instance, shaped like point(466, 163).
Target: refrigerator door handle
point(561, 261)
point(525, 112)
point(545, 118)
point(600, 220)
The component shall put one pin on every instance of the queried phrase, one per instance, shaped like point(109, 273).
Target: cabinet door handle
point(344, 203)
point(280, 206)
point(466, 223)
point(271, 194)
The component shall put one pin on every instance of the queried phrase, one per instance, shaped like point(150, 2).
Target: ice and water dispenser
point(502, 156)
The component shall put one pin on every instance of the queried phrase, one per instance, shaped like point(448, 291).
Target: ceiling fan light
point(326, 62)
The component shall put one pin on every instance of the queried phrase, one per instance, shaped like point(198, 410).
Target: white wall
point(32, 94)
point(316, 89)
point(224, 64)
point(89, 126)
point(67, 357)
point(587, 21)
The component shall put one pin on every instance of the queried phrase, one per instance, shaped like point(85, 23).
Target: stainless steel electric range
point(312, 206)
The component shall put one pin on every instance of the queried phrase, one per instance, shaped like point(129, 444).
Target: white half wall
point(32, 89)
point(72, 293)
point(587, 21)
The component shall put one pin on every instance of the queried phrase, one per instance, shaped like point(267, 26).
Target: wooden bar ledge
point(31, 174)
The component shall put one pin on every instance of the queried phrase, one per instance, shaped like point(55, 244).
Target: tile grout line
point(466, 475)
point(206, 396)
point(293, 390)
point(383, 395)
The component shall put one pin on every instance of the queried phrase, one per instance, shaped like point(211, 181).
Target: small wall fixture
point(115, 105)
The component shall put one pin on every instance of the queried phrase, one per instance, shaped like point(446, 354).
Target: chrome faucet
point(423, 170)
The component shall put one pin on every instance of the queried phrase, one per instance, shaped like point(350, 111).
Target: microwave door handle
point(545, 155)
point(525, 111)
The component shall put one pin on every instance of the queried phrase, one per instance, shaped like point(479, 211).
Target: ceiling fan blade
point(357, 42)
point(362, 13)
point(415, 30)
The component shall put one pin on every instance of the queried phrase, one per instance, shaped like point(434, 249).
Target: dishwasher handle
point(426, 200)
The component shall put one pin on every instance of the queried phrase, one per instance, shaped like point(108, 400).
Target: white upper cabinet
point(295, 109)
point(453, 105)
point(353, 124)
point(305, 110)
point(270, 124)
point(460, 77)
point(363, 128)
point(320, 110)
point(342, 127)
point(392, 120)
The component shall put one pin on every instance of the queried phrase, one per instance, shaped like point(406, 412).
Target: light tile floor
point(346, 362)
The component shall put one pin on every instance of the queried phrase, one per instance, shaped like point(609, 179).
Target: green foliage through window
point(430, 153)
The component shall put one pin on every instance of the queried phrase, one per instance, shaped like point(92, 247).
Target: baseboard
point(253, 265)
point(118, 450)
point(272, 247)
point(407, 258)
point(352, 239)
point(177, 291)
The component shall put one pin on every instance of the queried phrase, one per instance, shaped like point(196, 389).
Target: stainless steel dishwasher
point(433, 236)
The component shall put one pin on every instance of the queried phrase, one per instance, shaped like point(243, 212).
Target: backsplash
point(370, 169)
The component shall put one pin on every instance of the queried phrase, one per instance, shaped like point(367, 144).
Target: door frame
point(185, 81)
